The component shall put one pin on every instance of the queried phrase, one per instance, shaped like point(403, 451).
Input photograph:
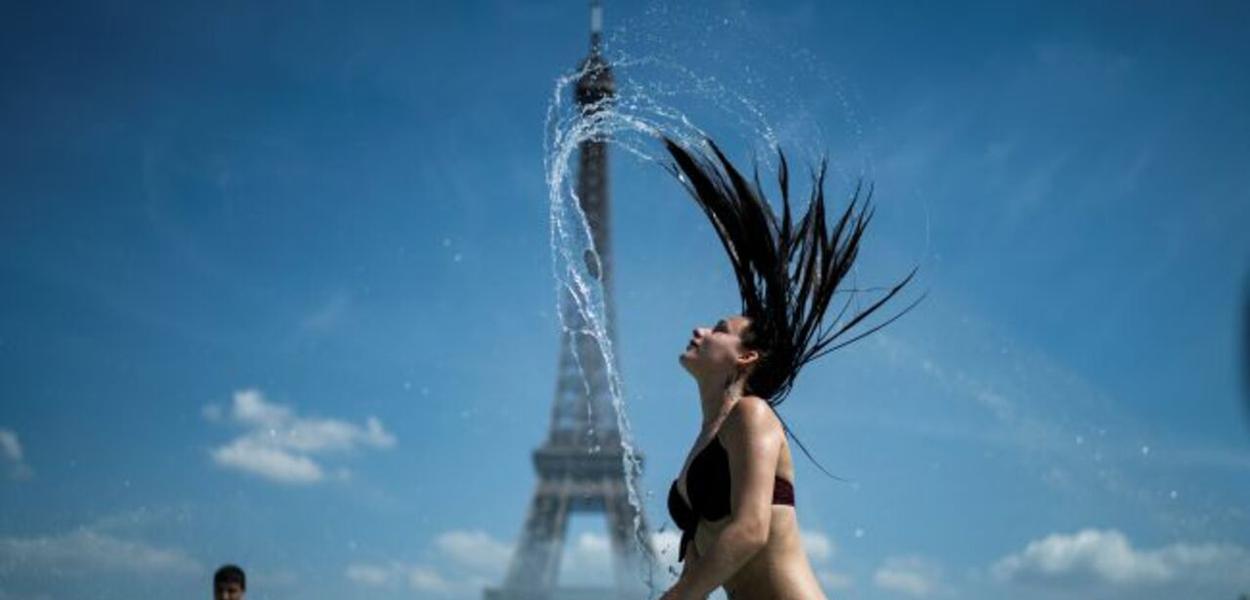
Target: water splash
point(648, 91)
point(631, 121)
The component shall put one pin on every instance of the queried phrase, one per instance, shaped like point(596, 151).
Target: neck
point(717, 399)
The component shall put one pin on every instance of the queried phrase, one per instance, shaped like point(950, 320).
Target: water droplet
point(1145, 450)
point(859, 532)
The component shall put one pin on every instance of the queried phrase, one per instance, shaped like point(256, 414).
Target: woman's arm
point(692, 557)
point(753, 443)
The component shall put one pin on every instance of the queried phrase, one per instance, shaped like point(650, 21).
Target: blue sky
point(329, 221)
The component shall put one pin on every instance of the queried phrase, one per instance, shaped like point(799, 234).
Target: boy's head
point(229, 583)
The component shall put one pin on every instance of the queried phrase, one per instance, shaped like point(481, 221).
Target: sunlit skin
point(755, 552)
point(228, 591)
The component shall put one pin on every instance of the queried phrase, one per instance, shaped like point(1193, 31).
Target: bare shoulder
point(753, 419)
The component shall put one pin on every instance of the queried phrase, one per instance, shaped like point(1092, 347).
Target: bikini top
point(707, 483)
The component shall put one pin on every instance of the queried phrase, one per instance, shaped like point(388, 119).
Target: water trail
point(648, 91)
point(631, 121)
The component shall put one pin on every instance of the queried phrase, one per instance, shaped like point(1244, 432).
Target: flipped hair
point(787, 272)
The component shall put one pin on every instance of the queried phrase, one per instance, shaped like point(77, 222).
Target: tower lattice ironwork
point(580, 466)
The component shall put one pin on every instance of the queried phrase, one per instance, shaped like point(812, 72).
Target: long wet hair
point(787, 272)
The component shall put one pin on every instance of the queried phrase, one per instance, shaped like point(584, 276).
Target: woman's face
point(717, 351)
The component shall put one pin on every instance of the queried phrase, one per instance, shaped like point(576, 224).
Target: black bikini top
point(707, 483)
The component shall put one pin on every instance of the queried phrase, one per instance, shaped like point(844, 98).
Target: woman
point(734, 496)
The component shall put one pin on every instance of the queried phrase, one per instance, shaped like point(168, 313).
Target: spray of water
point(649, 91)
point(631, 121)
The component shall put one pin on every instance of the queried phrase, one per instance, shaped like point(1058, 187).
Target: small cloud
point(476, 550)
point(820, 549)
point(466, 561)
point(279, 445)
point(250, 408)
point(427, 579)
point(587, 558)
point(818, 546)
point(835, 581)
point(469, 561)
point(909, 575)
point(86, 551)
point(393, 575)
point(1106, 557)
point(12, 456)
point(416, 577)
point(370, 575)
point(254, 456)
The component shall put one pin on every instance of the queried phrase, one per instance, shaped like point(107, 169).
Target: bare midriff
point(779, 571)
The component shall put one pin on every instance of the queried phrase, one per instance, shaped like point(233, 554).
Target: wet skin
point(779, 569)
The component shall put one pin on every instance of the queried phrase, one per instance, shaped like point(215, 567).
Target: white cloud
point(476, 550)
point(834, 581)
point(274, 463)
point(88, 551)
point(820, 549)
point(427, 579)
point(468, 560)
point(1107, 557)
point(251, 408)
point(12, 454)
point(421, 578)
point(279, 445)
point(370, 575)
point(818, 546)
point(587, 559)
point(909, 575)
point(10, 447)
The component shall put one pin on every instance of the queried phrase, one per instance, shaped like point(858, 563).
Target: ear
point(748, 358)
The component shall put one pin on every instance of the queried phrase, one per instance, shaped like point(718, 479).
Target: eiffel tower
point(580, 465)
